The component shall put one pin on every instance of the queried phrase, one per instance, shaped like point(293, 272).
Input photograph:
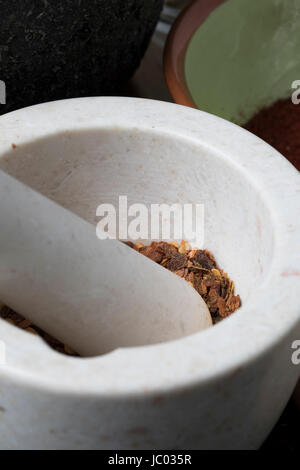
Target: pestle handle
point(93, 295)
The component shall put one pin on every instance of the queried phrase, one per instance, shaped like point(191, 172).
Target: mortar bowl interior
point(82, 169)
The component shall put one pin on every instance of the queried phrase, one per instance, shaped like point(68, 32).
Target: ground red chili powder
point(279, 126)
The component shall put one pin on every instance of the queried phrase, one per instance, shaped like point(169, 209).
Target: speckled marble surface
point(52, 50)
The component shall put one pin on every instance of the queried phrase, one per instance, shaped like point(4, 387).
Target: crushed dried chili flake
point(198, 267)
point(18, 320)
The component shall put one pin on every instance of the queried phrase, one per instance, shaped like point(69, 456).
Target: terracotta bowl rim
point(182, 31)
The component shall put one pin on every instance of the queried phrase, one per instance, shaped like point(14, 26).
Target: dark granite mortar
point(51, 49)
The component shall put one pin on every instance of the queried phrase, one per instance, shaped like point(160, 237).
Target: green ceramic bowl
point(234, 57)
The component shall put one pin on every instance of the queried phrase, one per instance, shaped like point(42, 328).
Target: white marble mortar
point(224, 387)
